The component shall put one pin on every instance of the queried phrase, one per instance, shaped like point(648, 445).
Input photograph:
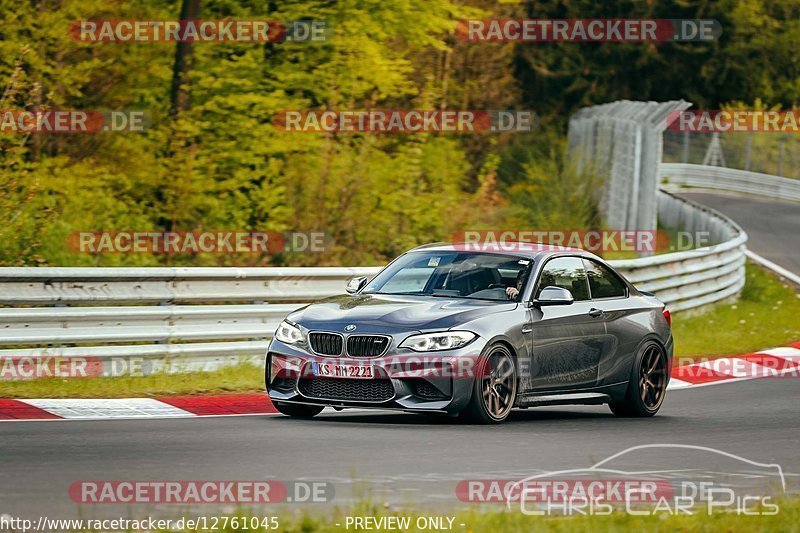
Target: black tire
point(494, 389)
point(298, 410)
point(647, 386)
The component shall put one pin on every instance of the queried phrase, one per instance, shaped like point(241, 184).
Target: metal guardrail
point(200, 318)
point(730, 179)
point(67, 286)
point(692, 278)
point(179, 318)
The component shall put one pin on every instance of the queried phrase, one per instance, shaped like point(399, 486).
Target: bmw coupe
point(476, 331)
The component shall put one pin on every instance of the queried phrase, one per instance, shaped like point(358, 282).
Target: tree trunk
point(179, 95)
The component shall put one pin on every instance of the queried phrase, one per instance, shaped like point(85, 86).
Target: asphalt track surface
point(402, 458)
point(772, 226)
point(397, 457)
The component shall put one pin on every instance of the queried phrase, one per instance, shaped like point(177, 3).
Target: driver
point(513, 292)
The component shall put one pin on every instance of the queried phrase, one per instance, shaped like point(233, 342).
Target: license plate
point(341, 370)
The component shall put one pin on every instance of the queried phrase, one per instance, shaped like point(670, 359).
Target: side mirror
point(551, 295)
point(356, 284)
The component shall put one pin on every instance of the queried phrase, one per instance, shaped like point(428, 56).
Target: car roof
point(530, 250)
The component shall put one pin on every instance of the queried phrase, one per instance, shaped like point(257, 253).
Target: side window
point(602, 282)
point(567, 273)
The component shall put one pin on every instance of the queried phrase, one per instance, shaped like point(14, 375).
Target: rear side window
point(602, 282)
point(567, 273)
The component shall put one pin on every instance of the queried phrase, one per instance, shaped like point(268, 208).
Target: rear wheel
point(494, 390)
point(297, 410)
point(647, 386)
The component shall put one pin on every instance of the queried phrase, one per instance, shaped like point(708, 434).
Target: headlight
point(288, 333)
point(431, 342)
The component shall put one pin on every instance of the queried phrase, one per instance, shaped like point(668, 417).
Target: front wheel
point(494, 390)
point(647, 386)
point(297, 410)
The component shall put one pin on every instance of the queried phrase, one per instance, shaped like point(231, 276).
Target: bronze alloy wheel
point(648, 384)
point(494, 389)
point(498, 384)
point(653, 378)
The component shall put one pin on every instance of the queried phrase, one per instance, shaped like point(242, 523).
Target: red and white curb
point(776, 362)
point(126, 408)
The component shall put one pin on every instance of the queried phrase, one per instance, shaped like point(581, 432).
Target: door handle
point(595, 312)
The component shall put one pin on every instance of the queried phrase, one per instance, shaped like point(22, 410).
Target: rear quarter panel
point(629, 322)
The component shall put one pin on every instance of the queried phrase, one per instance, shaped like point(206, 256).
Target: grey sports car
point(475, 331)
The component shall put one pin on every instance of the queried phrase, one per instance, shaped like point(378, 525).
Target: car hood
point(373, 313)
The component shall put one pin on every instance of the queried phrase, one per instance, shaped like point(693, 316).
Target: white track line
point(675, 383)
point(794, 278)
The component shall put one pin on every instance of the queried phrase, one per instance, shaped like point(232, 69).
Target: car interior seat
point(470, 281)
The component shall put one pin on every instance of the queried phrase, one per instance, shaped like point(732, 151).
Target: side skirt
point(579, 398)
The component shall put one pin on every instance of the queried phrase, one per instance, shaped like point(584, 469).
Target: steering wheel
point(496, 286)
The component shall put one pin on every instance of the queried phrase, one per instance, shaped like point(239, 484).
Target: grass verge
point(765, 316)
point(502, 520)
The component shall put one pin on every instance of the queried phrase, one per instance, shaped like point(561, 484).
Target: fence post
point(686, 146)
point(747, 151)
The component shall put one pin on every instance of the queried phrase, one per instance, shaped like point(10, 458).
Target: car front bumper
point(402, 379)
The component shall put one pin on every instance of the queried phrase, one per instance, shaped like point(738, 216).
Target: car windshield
point(479, 276)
